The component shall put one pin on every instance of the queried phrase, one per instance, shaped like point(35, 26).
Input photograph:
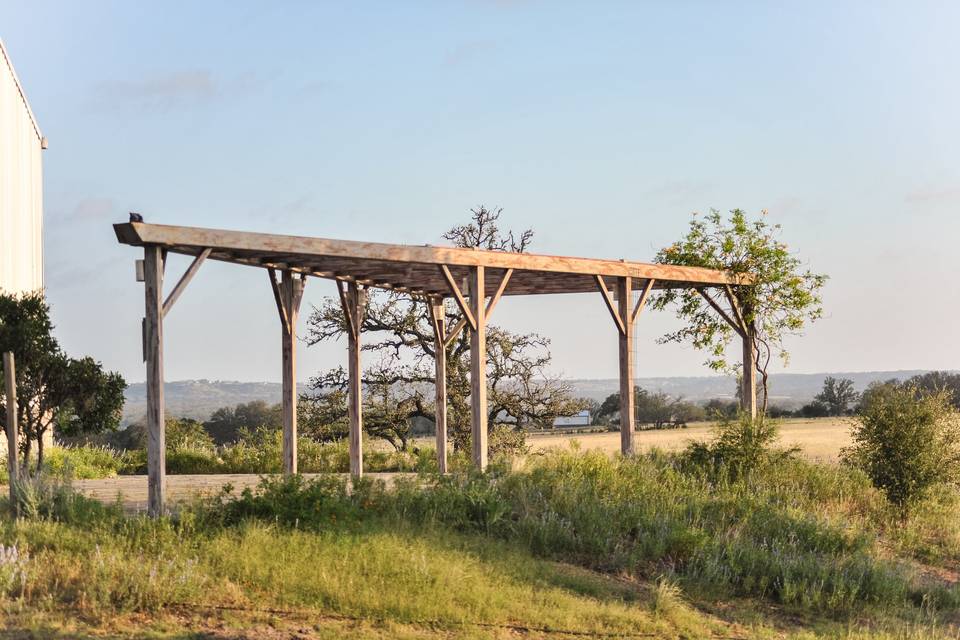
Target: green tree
point(782, 299)
point(56, 393)
point(906, 441)
point(225, 423)
point(397, 331)
point(837, 395)
point(651, 408)
point(939, 381)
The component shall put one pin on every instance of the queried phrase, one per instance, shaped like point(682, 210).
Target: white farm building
point(21, 186)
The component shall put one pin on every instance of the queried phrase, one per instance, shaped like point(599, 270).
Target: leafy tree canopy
point(783, 298)
point(838, 395)
point(55, 392)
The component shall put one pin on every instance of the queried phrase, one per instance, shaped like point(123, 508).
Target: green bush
point(83, 462)
point(740, 446)
point(907, 442)
point(260, 451)
point(80, 462)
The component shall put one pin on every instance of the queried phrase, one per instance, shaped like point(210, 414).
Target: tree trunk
point(40, 452)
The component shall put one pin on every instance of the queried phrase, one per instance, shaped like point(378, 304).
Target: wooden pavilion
point(475, 279)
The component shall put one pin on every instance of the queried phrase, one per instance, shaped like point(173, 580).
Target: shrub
point(740, 446)
point(907, 442)
point(83, 462)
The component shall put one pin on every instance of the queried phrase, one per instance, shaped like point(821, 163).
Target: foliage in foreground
point(813, 538)
point(906, 441)
point(798, 534)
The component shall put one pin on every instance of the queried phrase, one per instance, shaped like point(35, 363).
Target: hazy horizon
point(601, 127)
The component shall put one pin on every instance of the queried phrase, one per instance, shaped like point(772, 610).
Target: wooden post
point(355, 299)
point(290, 289)
point(627, 400)
point(438, 317)
point(153, 339)
point(478, 367)
point(13, 444)
point(287, 294)
point(748, 392)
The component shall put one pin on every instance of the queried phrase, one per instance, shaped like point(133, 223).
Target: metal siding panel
point(21, 192)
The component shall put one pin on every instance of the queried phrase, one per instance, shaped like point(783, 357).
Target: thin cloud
point(166, 91)
point(467, 51)
point(94, 208)
point(677, 191)
point(929, 196)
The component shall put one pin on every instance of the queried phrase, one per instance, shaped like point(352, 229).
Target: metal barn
point(21, 186)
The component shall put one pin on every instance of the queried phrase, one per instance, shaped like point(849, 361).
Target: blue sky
point(600, 125)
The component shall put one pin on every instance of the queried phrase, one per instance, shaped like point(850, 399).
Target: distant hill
point(786, 389)
point(199, 398)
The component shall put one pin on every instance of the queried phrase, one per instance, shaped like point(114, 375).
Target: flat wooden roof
point(411, 268)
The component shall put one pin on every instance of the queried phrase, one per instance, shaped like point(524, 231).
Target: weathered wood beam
point(438, 320)
point(184, 281)
point(278, 298)
point(721, 312)
point(627, 400)
point(458, 297)
point(355, 299)
point(642, 301)
point(491, 304)
point(156, 427)
point(495, 298)
point(735, 306)
point(306, 248)
point(346, 306)
point(611, 307)
point(13, 436)
point(290, 295)
point(478, 369)
point(748, 401)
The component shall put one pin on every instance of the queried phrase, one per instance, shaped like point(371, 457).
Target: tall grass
point(798, 534)
point(815, 539)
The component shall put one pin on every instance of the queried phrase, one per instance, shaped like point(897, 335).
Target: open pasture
point(818, 439)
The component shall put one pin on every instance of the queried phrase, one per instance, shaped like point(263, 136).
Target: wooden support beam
point(354, 300)
point(288, 294)
point(627, 400)
point(438, 318)
point(278, 297)
point(495, 298)
point(458, 297)
point(735, 306)
point(156, 427)
point(185, 280)
point(642, 301)
point(748, 395)
point(491, 304)
point(720, 310)
point(346, 306)
point(611, 307)
point(478, 368)
point(13, 437)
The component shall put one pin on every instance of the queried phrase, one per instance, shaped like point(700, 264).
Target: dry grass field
point(819, 439)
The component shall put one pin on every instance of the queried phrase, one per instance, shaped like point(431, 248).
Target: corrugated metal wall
point(21, 188)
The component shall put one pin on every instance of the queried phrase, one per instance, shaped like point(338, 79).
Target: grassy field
point(567, 545)
point(818, 439)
